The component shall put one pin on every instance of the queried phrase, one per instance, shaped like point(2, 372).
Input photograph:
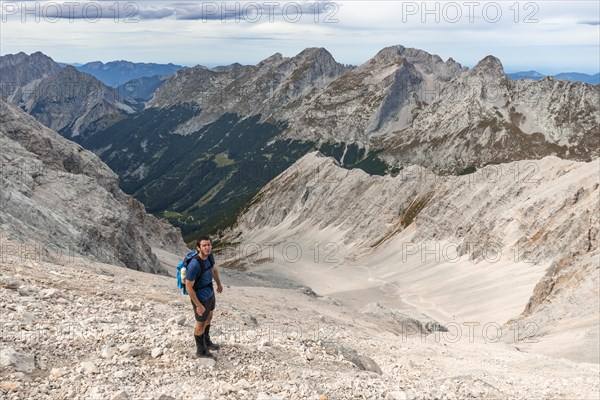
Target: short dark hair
point(200, 239)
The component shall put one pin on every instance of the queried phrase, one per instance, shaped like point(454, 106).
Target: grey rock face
point(483, 117)
point(275, 83)
point(65, 200)
point(64, 99)
point(382, 95)
point(542, 212)
point(20, 69)
point(417, 107)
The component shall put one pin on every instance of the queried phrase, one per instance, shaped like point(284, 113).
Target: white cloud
point(352, 31)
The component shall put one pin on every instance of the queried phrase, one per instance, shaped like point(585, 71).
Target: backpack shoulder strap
point(200, 263)
point(211, 260)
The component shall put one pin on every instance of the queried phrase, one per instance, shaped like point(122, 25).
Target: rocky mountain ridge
point(568, 76)
point(532, 226)
point(70, 102)
point(117, 73)
point(405, 101)
point(482, 117)
point(247, 90)
point(402, 107)
point(64, 201)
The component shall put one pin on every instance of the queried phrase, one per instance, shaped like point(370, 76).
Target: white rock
point(396, 395)
point(48, 293)
point(206, 362)
point(57, 372)
point(129, 304)
point(121, 374)
point(120, 395)
point(89, 367)
point(130, 350)
point(95, 393)
point(9, 386)
point(23, 362)
point(156, 352)
point(108, 352)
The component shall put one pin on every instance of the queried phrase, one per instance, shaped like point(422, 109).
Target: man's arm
point(217, 279)
point(189, 286)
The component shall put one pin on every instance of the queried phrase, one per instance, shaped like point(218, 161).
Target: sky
point(547, 36)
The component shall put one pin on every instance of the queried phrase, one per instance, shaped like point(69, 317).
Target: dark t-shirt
point(203, 285)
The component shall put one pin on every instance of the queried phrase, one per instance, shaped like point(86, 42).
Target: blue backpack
point(188, 258)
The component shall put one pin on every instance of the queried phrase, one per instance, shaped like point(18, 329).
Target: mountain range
point(70, 102)
point(116, 73)
point(197, 148)
point(567, 76)
point(402, 107)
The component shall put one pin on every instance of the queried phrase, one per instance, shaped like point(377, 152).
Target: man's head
point(204, 246)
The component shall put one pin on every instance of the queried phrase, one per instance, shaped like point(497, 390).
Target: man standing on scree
point(198, 283)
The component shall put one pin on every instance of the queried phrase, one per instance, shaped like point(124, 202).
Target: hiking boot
point(207, 354)
point(201, 350)
point(209, 343)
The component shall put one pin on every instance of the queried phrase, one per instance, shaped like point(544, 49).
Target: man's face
point(205, 247)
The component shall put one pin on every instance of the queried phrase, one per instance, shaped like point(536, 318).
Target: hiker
point(200, 288)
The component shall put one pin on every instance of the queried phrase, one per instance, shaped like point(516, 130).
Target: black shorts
point(209, 305)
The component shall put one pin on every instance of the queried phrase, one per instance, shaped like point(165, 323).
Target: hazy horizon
point(546, 36)
point(507, 69)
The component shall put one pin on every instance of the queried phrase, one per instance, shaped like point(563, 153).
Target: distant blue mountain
point(62, 64)
point(116, 73)
point(136, 92)
point(566, 76)
point(536, 76)
point(579, 77)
